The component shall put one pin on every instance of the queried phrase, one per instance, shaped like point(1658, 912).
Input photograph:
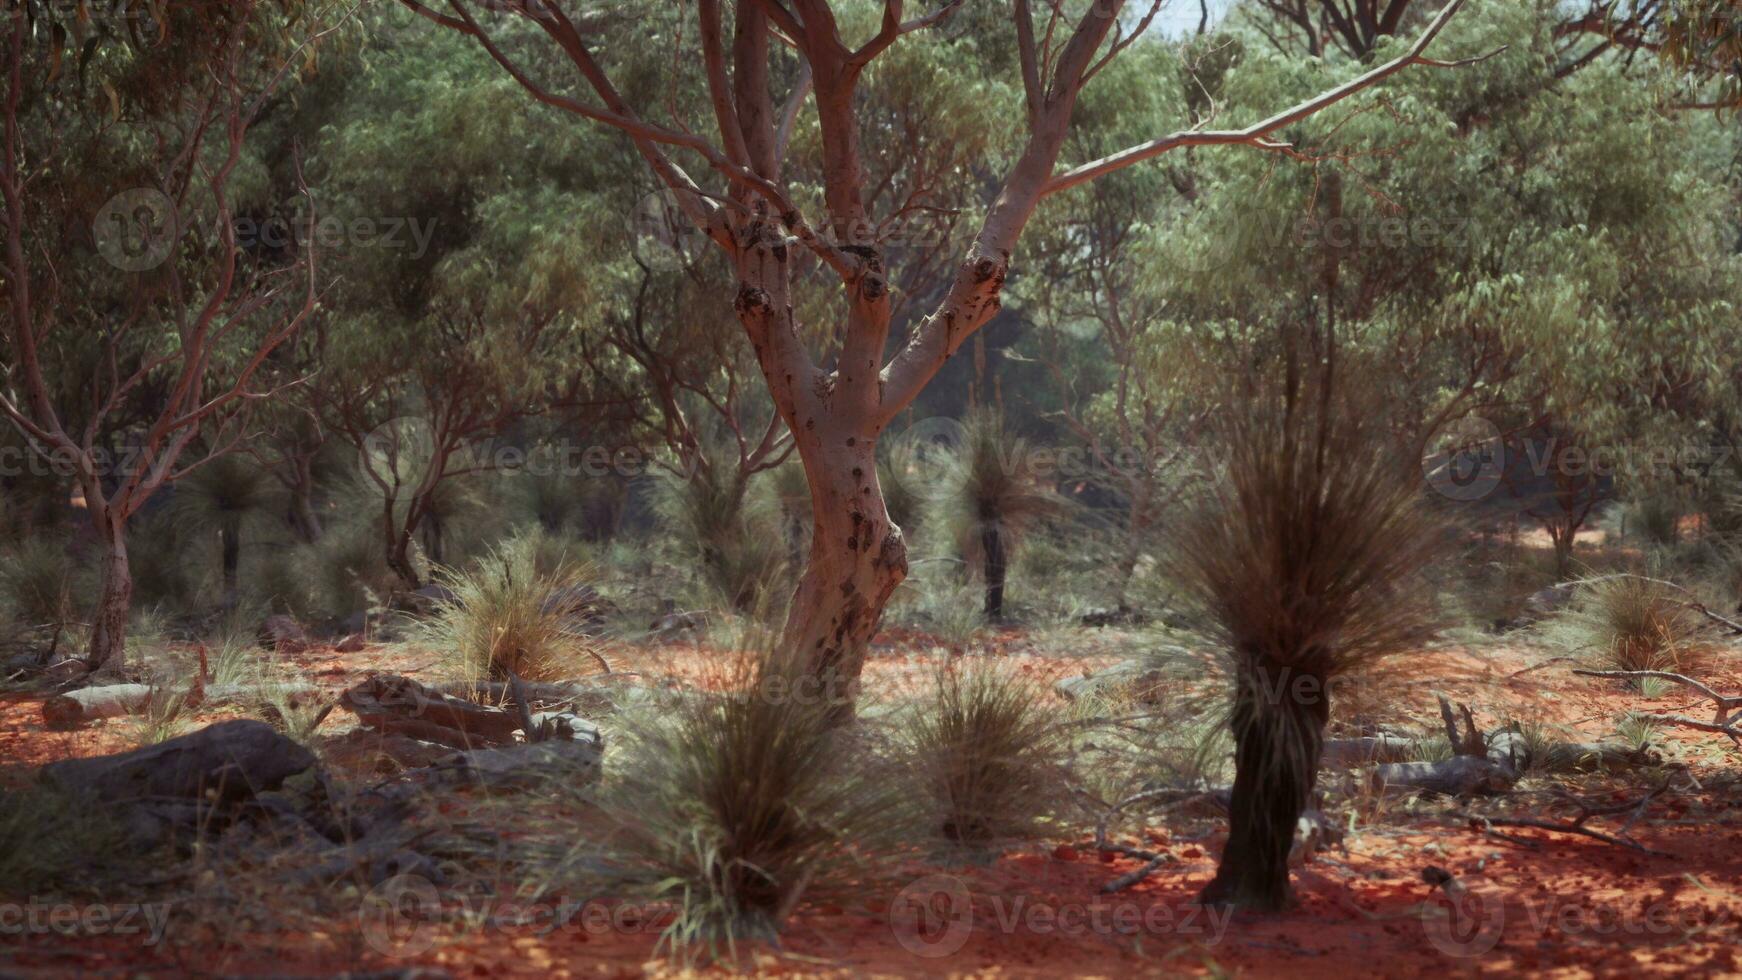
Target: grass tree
point(1305, 556)
point(182, 315)
point(229, 495)
point(763, 221)
point(997, 492)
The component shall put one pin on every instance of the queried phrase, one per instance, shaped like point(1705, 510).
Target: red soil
point(1541, 903)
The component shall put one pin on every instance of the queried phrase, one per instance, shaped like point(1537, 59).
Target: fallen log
point(221, 763)
point(401, 706)
point(1462, 775)
point(66, 712)
point(1349, 753)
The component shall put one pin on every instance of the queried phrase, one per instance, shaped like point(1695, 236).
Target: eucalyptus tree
point(137, 335)
point(761, 70)
point(464, 299)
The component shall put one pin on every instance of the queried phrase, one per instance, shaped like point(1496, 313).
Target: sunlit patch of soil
point(1538, 902)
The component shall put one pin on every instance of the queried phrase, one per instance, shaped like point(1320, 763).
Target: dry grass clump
point(736, 804)
point(987, 753)
point(512, 612)
point(1627, 622)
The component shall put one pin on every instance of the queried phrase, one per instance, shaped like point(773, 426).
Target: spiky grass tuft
point(739, 802)
point(510, 615)
point(1626, 622)
point(39, 582)
point(988, 755)
point(730, 531)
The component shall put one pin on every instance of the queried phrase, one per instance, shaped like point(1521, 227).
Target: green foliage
point(510, 614)
point(343, 573)
point(988, 757)
point(171, 574)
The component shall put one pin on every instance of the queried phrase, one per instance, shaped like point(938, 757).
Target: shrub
point(509, 615)
point(53, 841)
point(729, 531)
point(39, 582)
point(740, 802)
point(167, 575)
point(1626, 622)
point(346, 572)
point(988, 757)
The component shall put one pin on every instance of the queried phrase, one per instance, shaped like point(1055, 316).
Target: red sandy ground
point(1567, 906)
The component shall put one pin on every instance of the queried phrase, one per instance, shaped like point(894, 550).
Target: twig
point(1489, 823)
point(1154, 859)
point(1130, 878)
point(1690, 603)
point(1726, 703)
point(1587, 810)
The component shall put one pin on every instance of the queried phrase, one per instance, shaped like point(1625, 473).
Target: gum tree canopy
point(766, 64)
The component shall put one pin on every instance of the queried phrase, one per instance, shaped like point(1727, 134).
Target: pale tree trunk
point(857, 559)
point(115, 595)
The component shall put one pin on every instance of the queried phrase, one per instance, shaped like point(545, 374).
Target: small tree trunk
point(230, 538)
point(1279, 728)
point(432, 540)
point(302, 507)
point(857, 558)
point(114, 598)
point(992, 543)
point(398, 540)
point(1137, 521)
point(1563, 551)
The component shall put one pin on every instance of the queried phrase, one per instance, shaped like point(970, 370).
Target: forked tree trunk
point(1279, 731)
point(857, 558)
point(114, 598)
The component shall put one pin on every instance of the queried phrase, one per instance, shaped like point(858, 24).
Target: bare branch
point(1259, 132)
